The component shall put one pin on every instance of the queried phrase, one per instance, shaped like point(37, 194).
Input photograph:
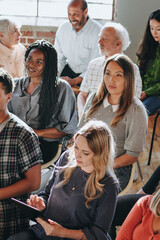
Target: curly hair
point(49, 89)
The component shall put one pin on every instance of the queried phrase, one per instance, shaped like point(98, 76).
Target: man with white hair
point(113, 39)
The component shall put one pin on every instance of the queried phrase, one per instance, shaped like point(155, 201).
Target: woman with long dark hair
point(149, 63)
point(115, 104)
point(44, 102)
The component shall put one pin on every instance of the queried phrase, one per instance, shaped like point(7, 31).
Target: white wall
point(133, 14)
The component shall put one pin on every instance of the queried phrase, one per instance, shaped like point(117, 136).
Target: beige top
point(13, 60)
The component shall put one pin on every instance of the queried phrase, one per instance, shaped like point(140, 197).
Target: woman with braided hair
point(40, 99)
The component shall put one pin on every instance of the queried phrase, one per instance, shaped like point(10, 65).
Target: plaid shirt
point(19, 152)
point(94, 75)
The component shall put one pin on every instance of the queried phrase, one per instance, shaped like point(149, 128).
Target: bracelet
point(82, 237)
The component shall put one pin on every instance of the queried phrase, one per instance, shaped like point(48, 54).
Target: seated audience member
point(113, 38)
point(80, 198)
point(149, 63)
point(11, 51)
point(44, 102)
point(76, 42)
point(126, 202)
point(115, 104)
point(143, 221)
point(20, 159)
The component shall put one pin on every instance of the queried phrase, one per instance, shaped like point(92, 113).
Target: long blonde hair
point(101, 143)
point(127, 96)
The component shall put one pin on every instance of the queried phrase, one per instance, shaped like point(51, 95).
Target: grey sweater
point(129, 133)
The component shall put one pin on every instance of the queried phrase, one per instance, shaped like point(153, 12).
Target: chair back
point(129, 185)
point(53, 160)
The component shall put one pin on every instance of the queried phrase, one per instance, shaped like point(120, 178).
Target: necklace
point(75, 186)
point(4, 119)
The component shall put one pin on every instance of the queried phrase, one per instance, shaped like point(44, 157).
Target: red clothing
point(139, 222)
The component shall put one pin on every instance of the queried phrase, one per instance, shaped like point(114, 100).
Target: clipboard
point(31, 212)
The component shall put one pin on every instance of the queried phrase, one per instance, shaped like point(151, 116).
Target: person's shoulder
point(90, 98)
point(20, 81)
point(64, 87)
point(21, 46)
point(18, 122)
point(99, 60)
point(144, 201)
point(110, 181)
point(20, 50)
point(137, 102)
point(19, 84)
point(63, 160)
point(95, 23)
point(64, 26)
point(110, 177)
point(61, 83)
point(19, 126)
point(137, 114)
point(138, 105)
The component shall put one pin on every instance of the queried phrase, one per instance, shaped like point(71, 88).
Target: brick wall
point(32, 33)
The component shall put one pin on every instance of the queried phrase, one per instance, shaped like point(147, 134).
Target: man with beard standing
point(76, 42)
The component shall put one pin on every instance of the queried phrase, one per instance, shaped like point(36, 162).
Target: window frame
point(38, 15)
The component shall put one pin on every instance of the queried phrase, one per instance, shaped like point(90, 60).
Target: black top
point(67, 207)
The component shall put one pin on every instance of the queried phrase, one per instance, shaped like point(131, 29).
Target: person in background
point(113, 38)
point(126, 202)
point(80, 198)
point(143, 220)
point(149, 63)
point(11, 51)
point(44, 102)
point(115, 104)
point(76, 42)
point(20, 162)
